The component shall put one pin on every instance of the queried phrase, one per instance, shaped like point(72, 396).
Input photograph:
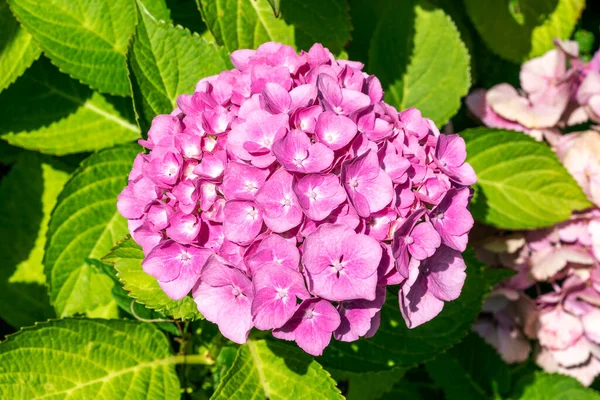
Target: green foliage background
point(81, 80)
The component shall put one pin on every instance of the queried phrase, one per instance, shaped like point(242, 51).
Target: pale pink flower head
point(562, 264)
point(277, 191)
point(580, 154)
point(558, 89)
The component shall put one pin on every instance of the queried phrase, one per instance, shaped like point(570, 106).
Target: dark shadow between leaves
point(24, 300)
point(186, 14)
point(9, 31)
point(44, 95)
point(299, 363)
point(392, 44)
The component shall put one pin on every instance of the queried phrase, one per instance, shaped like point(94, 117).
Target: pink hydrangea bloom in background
point(566, 320)
point(552, 96)
point(580, 154)
point(286, 195)
point(558, 90)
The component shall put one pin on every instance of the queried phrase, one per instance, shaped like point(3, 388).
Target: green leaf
point(395, 345)
point(275, 370)
point(86, 39)
point(276, 6)
point(417, 53)
point(127, 258)
point(246, 24)
point(528, 30)
point(31, 189)
point(521, 184)
point(368, 385)
point(166, 61)
point(405, 390)
point(17, 50)
point(472, 370)
point(86, 224)
point(543, 386)
point(88, 359)
point(129, 306)
point(46, 111)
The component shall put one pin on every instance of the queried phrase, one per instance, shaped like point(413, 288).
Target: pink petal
point(425, 241)
point(335, 131)
point(242, 182)
point(242, 221)
point(277, 99)
point(278, 202)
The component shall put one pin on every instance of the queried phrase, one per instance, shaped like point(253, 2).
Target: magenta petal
point(417, 304)
point(303, 96)
point(278, 202)
point(358, 317)
point(341, 264)
point(446, 273)
point(296, 153)
point(277, 99)
point(319, 195)
point(363, 176)
point(242, 182)
point(242, 221)
point(335, 131)
point(176, 267)
point(329, 91)
point(311, 326)
point(425, 240)
point(276, 290)
point(274, 249)
point(224, 296)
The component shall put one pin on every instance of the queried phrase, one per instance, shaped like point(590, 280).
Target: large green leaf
point(246, 24)
point(17, 50)
point(543, 386)
point(166, 61)
point(396, 345)
point(30, 191)
point(86, 224)
point(88, 359)
point(46, 111)
point(275, 370)
point(85, 38)
point(417, 53)
point(472, 370)
point(127, 258)
point(529, 32)
point(521, 184)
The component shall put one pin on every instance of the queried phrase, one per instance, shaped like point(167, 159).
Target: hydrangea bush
point(281, 199)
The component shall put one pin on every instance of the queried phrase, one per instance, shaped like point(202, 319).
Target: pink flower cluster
point(554, 298)
point(558, 89)
point(564, 320)
point(286, 195)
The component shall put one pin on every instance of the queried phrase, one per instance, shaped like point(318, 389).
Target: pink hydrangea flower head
point(565, 319)
point(286, 195)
